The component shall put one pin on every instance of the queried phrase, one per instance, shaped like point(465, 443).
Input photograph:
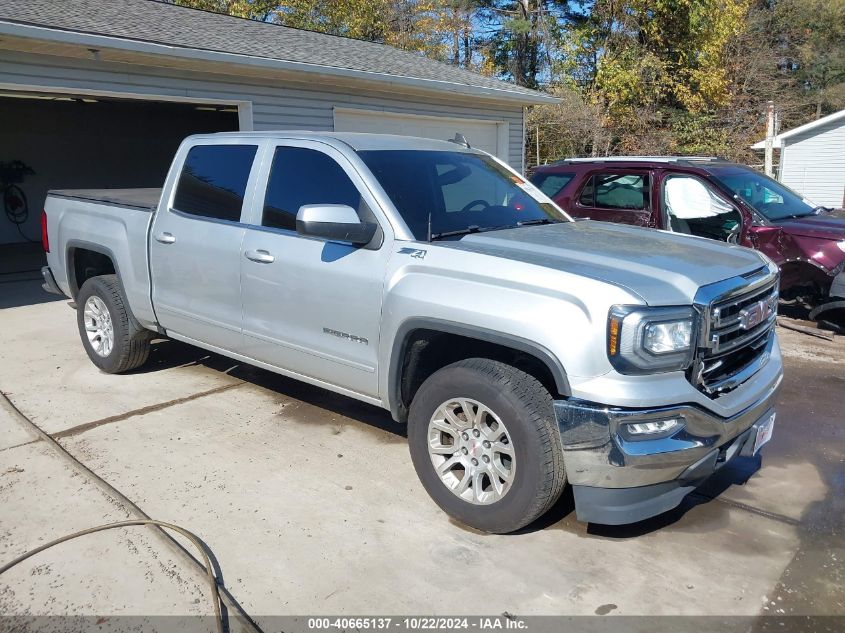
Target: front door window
point(693, 208)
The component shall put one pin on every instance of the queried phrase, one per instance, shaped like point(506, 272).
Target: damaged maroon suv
point(713, 199)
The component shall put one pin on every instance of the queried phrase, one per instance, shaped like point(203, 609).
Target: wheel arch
point(77, 252)
point(801, 272)
point(405, 373)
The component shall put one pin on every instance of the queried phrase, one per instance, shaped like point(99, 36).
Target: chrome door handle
point(260, 256)
point(165, 238)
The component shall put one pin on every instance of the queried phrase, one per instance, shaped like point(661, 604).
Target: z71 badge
point(413, 252)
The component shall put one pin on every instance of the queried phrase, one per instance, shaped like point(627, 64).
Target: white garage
point(812, 159)
point(490, 136)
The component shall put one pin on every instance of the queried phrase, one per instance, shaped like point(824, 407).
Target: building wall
point(814, 164)
point(275, 105)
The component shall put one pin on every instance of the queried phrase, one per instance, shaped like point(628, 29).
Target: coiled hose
point(193, 538)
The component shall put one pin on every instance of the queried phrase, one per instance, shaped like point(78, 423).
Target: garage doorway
point(87, 142)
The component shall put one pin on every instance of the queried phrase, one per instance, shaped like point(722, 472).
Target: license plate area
point(764, 433)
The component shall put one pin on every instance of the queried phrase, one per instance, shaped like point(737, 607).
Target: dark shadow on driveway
point(166, 353)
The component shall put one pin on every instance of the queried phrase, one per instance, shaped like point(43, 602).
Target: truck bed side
point(86, 226)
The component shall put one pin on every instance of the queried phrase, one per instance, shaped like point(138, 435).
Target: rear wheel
point(484, 442)
point(114, 340)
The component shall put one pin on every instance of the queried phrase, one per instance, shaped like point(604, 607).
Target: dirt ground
point(310, 503)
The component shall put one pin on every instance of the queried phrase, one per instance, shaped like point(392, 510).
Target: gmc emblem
point(753, 315)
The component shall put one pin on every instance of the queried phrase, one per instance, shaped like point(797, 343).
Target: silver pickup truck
point(523, 349)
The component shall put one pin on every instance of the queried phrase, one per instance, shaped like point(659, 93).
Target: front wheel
point(485, 444)
point(114, 340)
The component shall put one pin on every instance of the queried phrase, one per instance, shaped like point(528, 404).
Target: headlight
point(643, 340)
point(667, 337)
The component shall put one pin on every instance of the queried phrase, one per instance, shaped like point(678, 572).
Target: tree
point(633, 76)
point(812, 37)
point(520, 36)
point(252, 9)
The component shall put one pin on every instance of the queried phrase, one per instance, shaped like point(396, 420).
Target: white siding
point(814, 164)
point(484, 135)
point(275, 104)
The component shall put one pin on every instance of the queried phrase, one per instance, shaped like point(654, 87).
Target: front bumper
point(617, 479)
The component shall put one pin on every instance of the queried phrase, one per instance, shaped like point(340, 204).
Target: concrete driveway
point(311, 505)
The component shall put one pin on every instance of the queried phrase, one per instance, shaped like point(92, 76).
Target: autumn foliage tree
point(633, 76)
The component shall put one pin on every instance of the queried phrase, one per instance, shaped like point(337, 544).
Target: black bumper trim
point(620, 506)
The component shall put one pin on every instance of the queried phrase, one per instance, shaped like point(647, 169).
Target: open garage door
point(490, 136)
point(62, 141)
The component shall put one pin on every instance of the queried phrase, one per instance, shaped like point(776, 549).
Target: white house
point(812, 159)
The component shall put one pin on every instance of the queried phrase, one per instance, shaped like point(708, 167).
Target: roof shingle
point(171, 25)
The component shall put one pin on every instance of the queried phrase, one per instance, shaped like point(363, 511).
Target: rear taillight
point(45, 240)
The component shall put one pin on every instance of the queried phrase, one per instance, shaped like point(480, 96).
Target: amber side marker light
point(613, 336)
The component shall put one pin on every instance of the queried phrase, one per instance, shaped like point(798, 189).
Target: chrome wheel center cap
point(475, 449)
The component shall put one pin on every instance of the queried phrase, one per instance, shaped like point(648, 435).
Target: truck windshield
point(441, 193)
point(766, 195)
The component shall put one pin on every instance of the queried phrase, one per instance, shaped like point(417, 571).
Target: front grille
point(734, 336)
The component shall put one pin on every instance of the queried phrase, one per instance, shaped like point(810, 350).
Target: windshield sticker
point(533, 191)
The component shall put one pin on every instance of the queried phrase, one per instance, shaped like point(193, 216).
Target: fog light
point(642, 429)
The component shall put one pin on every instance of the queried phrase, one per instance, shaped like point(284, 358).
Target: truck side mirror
point(335, 222)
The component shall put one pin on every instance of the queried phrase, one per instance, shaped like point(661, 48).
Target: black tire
point(131, 341)
point(526, 410)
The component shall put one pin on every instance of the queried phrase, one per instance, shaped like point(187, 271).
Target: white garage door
point(490, 136)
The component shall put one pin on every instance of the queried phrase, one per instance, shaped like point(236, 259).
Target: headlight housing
point(644, 340)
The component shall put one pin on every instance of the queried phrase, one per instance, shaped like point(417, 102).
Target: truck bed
point(142, 199)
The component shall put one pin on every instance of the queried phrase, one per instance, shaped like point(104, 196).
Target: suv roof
point(679, 160)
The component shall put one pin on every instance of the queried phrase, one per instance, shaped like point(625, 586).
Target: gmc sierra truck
point(523, 349)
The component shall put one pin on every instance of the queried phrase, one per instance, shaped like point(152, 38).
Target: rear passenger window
point(302, 176)
point(616, 191)
point(213, 181)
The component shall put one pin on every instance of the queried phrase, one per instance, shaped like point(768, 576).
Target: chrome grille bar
point(736, 330)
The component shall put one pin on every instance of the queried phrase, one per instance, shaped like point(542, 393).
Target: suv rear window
point(551, 184)
point(213, 181)
point(616, 191)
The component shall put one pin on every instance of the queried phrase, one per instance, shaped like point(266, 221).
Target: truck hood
point(825, 225)
point(661, 268)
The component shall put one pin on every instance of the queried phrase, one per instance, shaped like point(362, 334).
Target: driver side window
point(691, 207)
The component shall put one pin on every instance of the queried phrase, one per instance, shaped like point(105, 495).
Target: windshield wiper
point(537, 221)
point(472, 228)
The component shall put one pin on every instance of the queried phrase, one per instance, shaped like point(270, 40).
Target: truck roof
point(355, 140)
